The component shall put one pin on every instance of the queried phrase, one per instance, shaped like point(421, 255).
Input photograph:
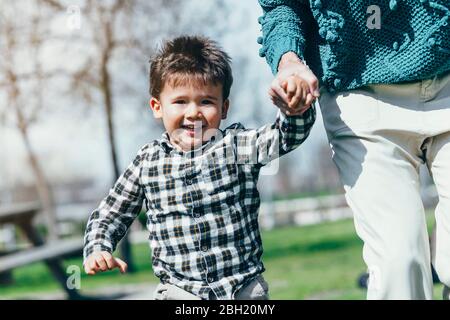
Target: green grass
point(312, 262)
point(300, 195)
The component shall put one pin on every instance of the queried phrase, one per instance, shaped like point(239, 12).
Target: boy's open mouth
point(192, 130)
point(192, 127)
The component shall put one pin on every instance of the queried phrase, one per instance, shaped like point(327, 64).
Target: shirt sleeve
point(110, 221)
point(262, 145)
point(284, 26)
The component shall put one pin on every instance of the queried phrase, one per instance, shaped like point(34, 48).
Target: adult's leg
point(375, 150)
point(439, 165)
point(437, 117)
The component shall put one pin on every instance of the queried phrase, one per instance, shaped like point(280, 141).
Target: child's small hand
point(102, 261)
point(298, 95)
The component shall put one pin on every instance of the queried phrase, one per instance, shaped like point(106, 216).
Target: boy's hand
point(102, 261)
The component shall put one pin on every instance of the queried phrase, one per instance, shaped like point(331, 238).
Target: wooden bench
point(22, 216)
point(60, 249)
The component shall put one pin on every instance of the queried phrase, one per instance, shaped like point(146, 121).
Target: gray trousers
point(256, 289)
point(380, 135)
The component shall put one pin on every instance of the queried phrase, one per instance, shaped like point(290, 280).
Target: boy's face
point(191, 113)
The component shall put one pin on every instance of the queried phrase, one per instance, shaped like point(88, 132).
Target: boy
point(199, 182)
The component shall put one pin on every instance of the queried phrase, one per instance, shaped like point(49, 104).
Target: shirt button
point(210, 279)
point(188, 181)
point(204, 248)
point(197, 215)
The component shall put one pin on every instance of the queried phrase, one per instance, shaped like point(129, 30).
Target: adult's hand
point(283, 95)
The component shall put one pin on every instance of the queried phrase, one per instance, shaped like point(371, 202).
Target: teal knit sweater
point(338, 40)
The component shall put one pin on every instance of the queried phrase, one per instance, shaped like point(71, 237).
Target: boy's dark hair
point(190, 59)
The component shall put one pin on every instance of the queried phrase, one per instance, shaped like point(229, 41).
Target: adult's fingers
point(296, 99)
point(310, 78)
point(309, 99)
point(313, 83)
point(302, 70)
point(304, 97)
point(291, 87)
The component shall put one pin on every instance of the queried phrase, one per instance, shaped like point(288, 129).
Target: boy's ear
point(155, 105)
point(225, 107)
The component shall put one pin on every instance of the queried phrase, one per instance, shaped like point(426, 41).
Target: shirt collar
point(169, 147)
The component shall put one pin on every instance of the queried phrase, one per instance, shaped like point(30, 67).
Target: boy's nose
point(193, 111)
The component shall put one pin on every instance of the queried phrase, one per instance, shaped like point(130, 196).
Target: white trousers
point(380, 135)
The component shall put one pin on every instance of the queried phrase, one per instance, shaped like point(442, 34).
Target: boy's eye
point(206, 101)
point(179, 102)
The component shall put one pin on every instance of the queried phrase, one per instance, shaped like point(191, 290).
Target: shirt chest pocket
point(219, 172)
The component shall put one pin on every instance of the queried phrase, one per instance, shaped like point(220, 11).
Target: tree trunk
point(43, 187)
point(106, 89)
point(125, 247)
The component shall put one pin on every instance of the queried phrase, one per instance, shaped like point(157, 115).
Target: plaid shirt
point(202, 205)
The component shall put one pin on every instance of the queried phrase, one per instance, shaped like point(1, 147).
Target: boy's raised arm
point(262, 145)
point(110, 221)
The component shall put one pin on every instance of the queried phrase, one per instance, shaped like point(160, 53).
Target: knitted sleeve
point(284, 24)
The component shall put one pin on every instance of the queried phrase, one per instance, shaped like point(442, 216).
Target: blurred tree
point(111, 30)
point(24, 80)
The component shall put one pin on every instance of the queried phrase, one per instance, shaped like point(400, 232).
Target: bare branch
point(53, 4)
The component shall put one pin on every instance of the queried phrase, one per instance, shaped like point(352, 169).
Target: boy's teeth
point(192, 127)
